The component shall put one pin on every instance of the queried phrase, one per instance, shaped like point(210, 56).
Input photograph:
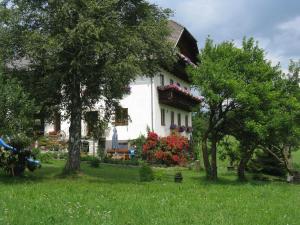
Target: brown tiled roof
point(176, 31)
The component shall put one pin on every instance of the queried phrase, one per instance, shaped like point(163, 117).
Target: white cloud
point(276, 25)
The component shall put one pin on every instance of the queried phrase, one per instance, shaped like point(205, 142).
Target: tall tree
point(235, 83)
point(85, 51)
point(216, 80)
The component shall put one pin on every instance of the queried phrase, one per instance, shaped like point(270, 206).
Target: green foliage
point(146, 173)
point(20, 141)
point(132, 162)
point(15, 164)
point(74, 47)
point(87, 158)
point(36, 152)
point(245, 97)
point(46, 157)
point(265, 163)
point(159, 174)
point(178, 177)
point(17, 108)
point(95, 162)
point(139, 142)
point(229, 149)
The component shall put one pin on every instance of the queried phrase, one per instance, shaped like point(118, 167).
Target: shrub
point(146, 173)
point(46, 157)
point(63, 155)
point(132, 162)
point(159, 174)
point(87, 158)
point(95, 162)
point(20, 141)
point(170, 150)
point(265, 163)
point(36, 152)
point(178, 177)
point(139, 142)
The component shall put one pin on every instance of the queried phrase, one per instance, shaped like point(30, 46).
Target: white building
point(154, 103)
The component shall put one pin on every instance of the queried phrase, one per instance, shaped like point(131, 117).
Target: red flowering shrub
point(170, 150)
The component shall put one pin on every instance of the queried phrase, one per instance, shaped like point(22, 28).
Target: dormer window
point(178, 84)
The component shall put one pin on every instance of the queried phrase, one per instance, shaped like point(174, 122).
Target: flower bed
point(170, 150)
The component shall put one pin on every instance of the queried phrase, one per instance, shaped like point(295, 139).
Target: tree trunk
point(73, 162)
point(242, 165)
point(288, 160)
point(214, 169)
point(206, 157)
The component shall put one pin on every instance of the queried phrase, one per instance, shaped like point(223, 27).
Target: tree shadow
point(225, 181)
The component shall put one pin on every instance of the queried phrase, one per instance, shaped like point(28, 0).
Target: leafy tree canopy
point(17, 109)
point(81, 52)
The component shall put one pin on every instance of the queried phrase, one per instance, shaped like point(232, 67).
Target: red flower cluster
point(175, 143)
point(151, 142)
point(171, 150)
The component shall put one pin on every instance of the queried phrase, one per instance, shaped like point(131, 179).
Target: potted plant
point(178, 177)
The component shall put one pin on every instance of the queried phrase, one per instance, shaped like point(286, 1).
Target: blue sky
point(274, 23)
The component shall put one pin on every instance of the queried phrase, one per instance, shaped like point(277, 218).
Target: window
point(178, 84)
point(179, 119)
point(172, 118)
point(186, 121)
point(171, 81)
point(91, 119)
point(162, 80)
point(163, 117)
point(121, 117)
point(185, 88)
point(85, 147)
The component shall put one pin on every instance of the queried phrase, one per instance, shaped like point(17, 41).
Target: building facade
point(160, 103)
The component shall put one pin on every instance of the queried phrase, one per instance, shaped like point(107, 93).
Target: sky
point(275, 24)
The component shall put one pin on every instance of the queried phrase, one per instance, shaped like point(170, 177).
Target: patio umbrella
point(115, 144)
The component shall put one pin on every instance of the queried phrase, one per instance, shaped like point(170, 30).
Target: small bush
point(63, 155)
point(132, 162)
point(87, 158)
point(95, 162)
point(178, 177)
point(20, 141)
point(46, 157)
point(36, 152)
point(158, 175)
point(146, 173)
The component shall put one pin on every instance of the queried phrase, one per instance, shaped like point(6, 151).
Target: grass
point(113, 194)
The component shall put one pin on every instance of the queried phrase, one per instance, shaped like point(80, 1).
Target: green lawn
point(114, 195)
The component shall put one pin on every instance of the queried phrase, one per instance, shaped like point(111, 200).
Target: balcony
point(178, 97)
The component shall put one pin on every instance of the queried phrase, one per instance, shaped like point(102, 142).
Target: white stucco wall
point(139, 110)
point(165, 130)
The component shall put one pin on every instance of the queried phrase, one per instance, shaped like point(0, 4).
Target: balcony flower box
point(178, 97)
point(181, 90)
point(173, 127)
point(182, 129)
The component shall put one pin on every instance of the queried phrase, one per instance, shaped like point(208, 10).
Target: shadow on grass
point(118, 174)
point(111, 174)
point(224, 180)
